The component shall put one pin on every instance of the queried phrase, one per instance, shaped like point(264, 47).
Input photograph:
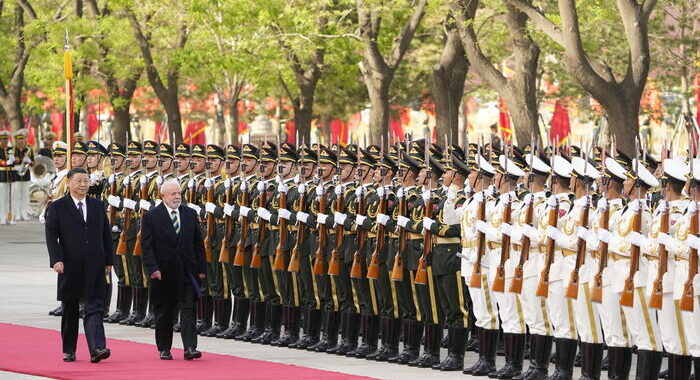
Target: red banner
point(504, 128)
point(194, 134)
point(560, 124)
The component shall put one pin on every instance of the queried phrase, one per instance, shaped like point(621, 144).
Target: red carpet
point(37, 352)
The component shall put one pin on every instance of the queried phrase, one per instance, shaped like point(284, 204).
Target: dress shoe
point(69, 357)
point(191, 353)
point(99, 354)
point(57, 311)
point(166, 355)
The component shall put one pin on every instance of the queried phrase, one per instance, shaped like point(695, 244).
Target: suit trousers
point(165, 312)
point(92, 324)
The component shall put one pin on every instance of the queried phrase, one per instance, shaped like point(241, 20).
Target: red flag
point(560, 124)
point(158, 134)
point(57, 121)
point(291, 130)
point(93, 125)
point(194, 134)
point(697, 99)
point(31, 140)
point(339, 132)
point(504, 128)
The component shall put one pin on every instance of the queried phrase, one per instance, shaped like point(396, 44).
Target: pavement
point(29, 292)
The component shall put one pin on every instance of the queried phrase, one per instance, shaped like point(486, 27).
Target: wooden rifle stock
point(373, 269)
point(334, 265)
point(279, 251)
point(112, 210)
point(543, 285)
point(516, 285)
point(499, 283)
point(422, 270)
point(572, 289)
point(597, 292)
point(137, 245)
point(211, 226)
point(239, 258)
point(319, 266)
point(357, 260)
point(657, 292)
point(686, 303)
point(301, 229)
point(627, 295)
point(256, 261)
point(397, 270)
point(475, 280)
point(122, 246)
point(224, 255)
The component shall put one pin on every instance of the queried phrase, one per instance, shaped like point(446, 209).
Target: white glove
point(127, 179)
point(26, 160)
point(143, 181)
point(194, 207)
point(284, 214)
point(261, 186)
point(339, 217)
point(159, 180)
point(552, 201)
point(42, 218)
point(94, 178)
point(451, 195)
point(283, 188)
point(694, 242)
point(112, 178)
point(321, 218)
point(227, 183)
point(228, 209)
point(637, 239)
point(209, 207)
point(467, 188)
point(263, 213)
point(144, 205)
point(426, 196)
point(302, 189)
point(604, 235)
point(338, 190)
point(245, 211)
point(582, 233)
point(382, 219)
point(297, 178)
point(11, 160)
point(115, 228)
point(482, 226)
point(302, 216)
point(403, 221)
point(634, 205)
point(358, 191)
point(553, 233)
point(516, 235)
point(602, 204)
point(530, 232)
point(665, 239)
point(400, 193)
point(506, 229)
point(158, 202)
point(113, 201)
point(190, 183)
point(380, 191)
point(130, 204)
point(479, 197)
point(427, 223)
point(359, 219)
point(319, 191)
point(244, 185)
point(208, 183)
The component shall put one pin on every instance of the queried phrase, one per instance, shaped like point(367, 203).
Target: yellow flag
point(67, 65)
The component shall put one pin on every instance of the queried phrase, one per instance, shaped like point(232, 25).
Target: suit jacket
point(178, 257)
point(85, 248)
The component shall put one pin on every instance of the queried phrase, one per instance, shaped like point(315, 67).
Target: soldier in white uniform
point(6, 162)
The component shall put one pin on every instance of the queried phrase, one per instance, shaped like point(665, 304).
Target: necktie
point(176, 223)
point(80, 210)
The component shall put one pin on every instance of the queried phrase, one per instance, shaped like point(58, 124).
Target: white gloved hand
point(482, 226)
point(582, 233)
point(302, 189)
point(115, 228)
point(530, 232)
point(302, 216)
point(338, 190)
point(403, 221)
point(506, 229)
point(26, 160)
point(283, 188)
point(694, 242)
point(144, 205)
point(208, 183)
point(261, 186)
point(228, 209)
point(339, 217)
point(113, 201)
point(11, 160)
point(209, 207)
point(297, 178)
point(190, 183)
point(382, 219)
point(194, 207)
point(321, 218)
point(112, 179)
point(604, 235)
point(284, 214)
point(127, 180)
point(264, 214)
point(319, 191)
point(400, 193)
point(665, 239)
point(143, 181)
point(42, 218)
point(380, 191)
point(427, 223)
point(94, 178)
point(360, 219)
point(159, 180)
point(516, 235)
point(451, 195)
point(636, 238)
point(158, 202)
point(602, 204)
point(130, 204)
point(467, 188)
point(359, 191)
point(553, 233)
point(227, 183)
point(426, 196)
point(245, 211)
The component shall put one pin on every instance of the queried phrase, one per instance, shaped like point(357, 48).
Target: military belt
point(446, 240)
point(414, 236)
point(567, 252)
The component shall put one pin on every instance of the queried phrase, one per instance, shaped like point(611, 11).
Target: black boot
point(329, 338)
point(431, 347)
point(312, 329)
point(592, 359)
point(540, 350)
point(473, 342)
point(123, 304)
point(341, 330)
point(566, 354)
point(232, 322)
point(370, 336)
point(131, 319)
point(619, 362)
point(515, 352)
point(648, 364)
point(107, 301)
point(225, 317)
point(150, 319)
point(488, 344)
point(292, 317)
point(217, 313)
point(679, 367)
point(273, 321)
point(411, 331)
point(207, 314)
point(257, 322)
point(351, 331)
point(240, 318)
point(390, 340)
point(383, 330)
point(455, 350)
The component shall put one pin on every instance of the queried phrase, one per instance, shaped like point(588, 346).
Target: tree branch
point(28, 9)
point(145, 47)
point(403, 40)
point(539, 19)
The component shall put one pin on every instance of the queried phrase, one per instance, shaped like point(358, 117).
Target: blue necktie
point(176, 223)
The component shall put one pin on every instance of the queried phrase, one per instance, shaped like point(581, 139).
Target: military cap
point(59, 148)
point(94, 147)
point(457, 150)
point(435, 166)
point(562, 167)
point(268, 152)
point(233, 151)
point(417, 153)
point(410, 162)
point(215, 151)
point(78, 136)
point(643, 174)
point(327, 155)
point(436, 151)
point(117, 149)
point(394, 152)
point(165, 150)
point(150, 147)
point(79, 147)
point(347, 157)
point(134, 147)
point(388, 163)
point(306, 154)
point(459, 165)
point(375, 151)
point(4, 134)
point(584, 169)
point(250, 151)
point(613, 169)
point(199, 150)
point(367, 158)
point(509, 167)
point(485, 166)
point(538, 165)
point(288, 152)
point(20, 134)
point(649, 160)
point(676, 170)
point(623, 160)
point(352, 148)
point(182, 150)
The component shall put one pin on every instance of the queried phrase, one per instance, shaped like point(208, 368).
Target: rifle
point(572, 289)
point(143, 196)
point(282, 243)
point(122, 247)
point(319, 268)
point(334, 265)
point(543, 285)
point(373, 269)
point(228, 227)
point(516, 284)
point(211, 226)
point(256, 261)
point(294, 258)
point(500, 280)
point(686, 303)
point(398, 268)
point(475, 280)
point(657, 292)
point(597, 292)
point(422, 270)
point(356, 270)
point(627, 295)
point(239, 257)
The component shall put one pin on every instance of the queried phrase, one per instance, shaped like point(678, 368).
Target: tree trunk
point(379, 112)
point(235, 117)
point(303, 114)
point(172, 109)
point(623, 121)
point(448, 86)
point(13, 110)
point(122, 120)
point(524, 117)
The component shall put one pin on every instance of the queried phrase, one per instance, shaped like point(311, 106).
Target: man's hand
point(202, 276)
point(58, 267)
point(156, 275)
point(108, 269)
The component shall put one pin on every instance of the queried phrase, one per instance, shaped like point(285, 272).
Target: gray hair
point(170, 182)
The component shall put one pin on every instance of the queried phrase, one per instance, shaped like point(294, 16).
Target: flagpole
point(68, 74)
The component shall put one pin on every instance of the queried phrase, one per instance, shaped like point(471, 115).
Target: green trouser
point(268, 280)
point(383, 299)
point(308, 288)
point(327, 289)
point(427, 299)
point(215, 277)
point(121, 266)
point(137, 276)
point(347, 293)
point(406, 292)
point(451, 289)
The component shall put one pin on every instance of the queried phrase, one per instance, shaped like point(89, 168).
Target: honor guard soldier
point(24, 159)
point(78, 155)
point(166, 162)
point(95, 154)
point(181, 166)
point(7, 161)
point(116, 191)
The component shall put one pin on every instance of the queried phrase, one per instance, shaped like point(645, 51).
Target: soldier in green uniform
point(78, 155)
point(165, 163)
point(181, 166)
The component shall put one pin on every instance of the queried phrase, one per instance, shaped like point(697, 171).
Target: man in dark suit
point(79, 241)
point(173, 255)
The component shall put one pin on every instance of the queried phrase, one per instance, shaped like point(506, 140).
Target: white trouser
point(24, 200)
point(642, 323)
point(484, 304)
point(4, 201)
point(586, 316)
point(691, 319)
point(672, 326)
point(561, 311)
point(612, 319)
point(535, 308)
point(17, 200)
